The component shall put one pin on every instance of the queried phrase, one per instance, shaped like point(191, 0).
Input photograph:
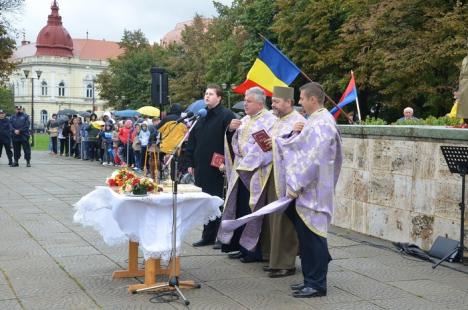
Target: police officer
point(5, 137)
point(20, 136)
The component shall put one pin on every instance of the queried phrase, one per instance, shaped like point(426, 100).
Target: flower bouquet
point(120, 177)
point(138, 186)
point(125, 181)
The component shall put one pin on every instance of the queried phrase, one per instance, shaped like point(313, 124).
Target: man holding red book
point(247, 173)
point(205, 141)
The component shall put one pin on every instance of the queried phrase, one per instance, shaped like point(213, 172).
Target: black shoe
point(236, 255)
point(250, 259)
point(28, 164)
point(297, 287)
point(281, 273)
point(267, 268)
point(15, 165)
point(217, 245)
point(10, 164)
point(308, 292)
point(202, 243)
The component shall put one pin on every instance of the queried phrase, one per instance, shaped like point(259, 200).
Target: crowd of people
point(105, 140)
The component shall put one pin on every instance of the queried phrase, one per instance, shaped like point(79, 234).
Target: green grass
point(41, 142)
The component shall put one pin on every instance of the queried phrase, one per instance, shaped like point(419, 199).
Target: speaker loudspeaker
point(159, 87)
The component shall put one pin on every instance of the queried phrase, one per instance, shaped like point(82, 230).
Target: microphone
point(183, 118)
point(202, 113)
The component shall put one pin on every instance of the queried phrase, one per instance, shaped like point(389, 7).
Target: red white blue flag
point(350, 95)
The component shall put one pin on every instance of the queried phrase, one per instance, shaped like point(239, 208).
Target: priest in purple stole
point(247, 171)
point(311, 159)
point(282, 234)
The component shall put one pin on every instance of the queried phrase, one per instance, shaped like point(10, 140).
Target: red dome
point(54, 39)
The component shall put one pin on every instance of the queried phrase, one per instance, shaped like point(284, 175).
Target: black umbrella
point(239, 106)
point(67, 112)
point(84, 114)
point(61, 119)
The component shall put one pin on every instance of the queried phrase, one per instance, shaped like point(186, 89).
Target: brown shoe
point(281, 273)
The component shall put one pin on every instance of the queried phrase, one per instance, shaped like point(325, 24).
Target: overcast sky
point(107, 19)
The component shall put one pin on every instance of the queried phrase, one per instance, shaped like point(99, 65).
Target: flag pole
point(357, 100)
point(350, 120)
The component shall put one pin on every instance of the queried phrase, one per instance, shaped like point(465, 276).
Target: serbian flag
point(350, 95)
point(271, 68)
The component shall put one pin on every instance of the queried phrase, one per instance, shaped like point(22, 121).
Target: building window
point(44, 117)
point(61, 89)
point(89, 91)
point(44, 88)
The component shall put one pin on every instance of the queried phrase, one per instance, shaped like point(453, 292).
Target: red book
point(261, 137)
point(217, 160)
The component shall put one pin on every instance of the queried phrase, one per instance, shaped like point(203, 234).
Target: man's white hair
point(408, 109)
point(257, 93)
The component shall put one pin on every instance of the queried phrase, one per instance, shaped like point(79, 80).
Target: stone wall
point(395, 183)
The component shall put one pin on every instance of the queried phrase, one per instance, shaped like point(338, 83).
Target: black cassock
point(206, 138)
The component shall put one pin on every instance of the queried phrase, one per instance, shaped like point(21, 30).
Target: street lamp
point(26, 74)
point(225, 86)
point(94, 98)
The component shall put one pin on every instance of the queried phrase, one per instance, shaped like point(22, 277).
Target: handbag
point(53, 132)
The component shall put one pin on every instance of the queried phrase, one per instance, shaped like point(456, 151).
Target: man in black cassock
point(206, 138)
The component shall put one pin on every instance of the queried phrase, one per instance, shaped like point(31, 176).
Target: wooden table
point(150, 272)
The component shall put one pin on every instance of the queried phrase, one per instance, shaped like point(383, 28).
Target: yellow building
point(67, 71)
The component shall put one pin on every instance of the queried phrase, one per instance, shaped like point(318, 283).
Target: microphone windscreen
point(202, 112)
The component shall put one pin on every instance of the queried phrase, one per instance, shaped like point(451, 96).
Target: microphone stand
point(174, 283)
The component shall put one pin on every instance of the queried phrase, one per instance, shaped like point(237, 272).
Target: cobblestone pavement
point(48, 262)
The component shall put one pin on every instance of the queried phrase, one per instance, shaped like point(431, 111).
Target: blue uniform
point(20, 121)
point(5, 138)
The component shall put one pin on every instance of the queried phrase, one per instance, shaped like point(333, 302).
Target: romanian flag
point(271, 68)
point(348, 96)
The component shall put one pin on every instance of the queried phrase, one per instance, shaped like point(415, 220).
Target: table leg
point(132, 270)
point(152, 269)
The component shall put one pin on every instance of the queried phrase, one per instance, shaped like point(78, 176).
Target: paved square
point(48, 262)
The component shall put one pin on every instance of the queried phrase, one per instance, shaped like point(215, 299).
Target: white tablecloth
point(146, 220)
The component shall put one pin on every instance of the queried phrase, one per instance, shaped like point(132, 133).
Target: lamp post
point(26, 74)
point(227, 86)
point(94, 98)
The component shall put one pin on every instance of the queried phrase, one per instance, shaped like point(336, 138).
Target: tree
point(187, 63)
point(133, 40)
point(6, 100)
point(126, 82)
point(7, 44)
point(404, 52)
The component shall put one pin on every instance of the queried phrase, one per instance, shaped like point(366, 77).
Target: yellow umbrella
point(149, 110)
point(98, 124)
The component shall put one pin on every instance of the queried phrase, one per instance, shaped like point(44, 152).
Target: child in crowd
point(144, 136)
point(106, 137)
point(115, 144)
point(136, 146)
point(125, 142)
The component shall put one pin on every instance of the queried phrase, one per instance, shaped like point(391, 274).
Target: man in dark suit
point(207, 138)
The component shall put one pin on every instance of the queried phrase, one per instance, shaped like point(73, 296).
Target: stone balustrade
point(395, 183)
